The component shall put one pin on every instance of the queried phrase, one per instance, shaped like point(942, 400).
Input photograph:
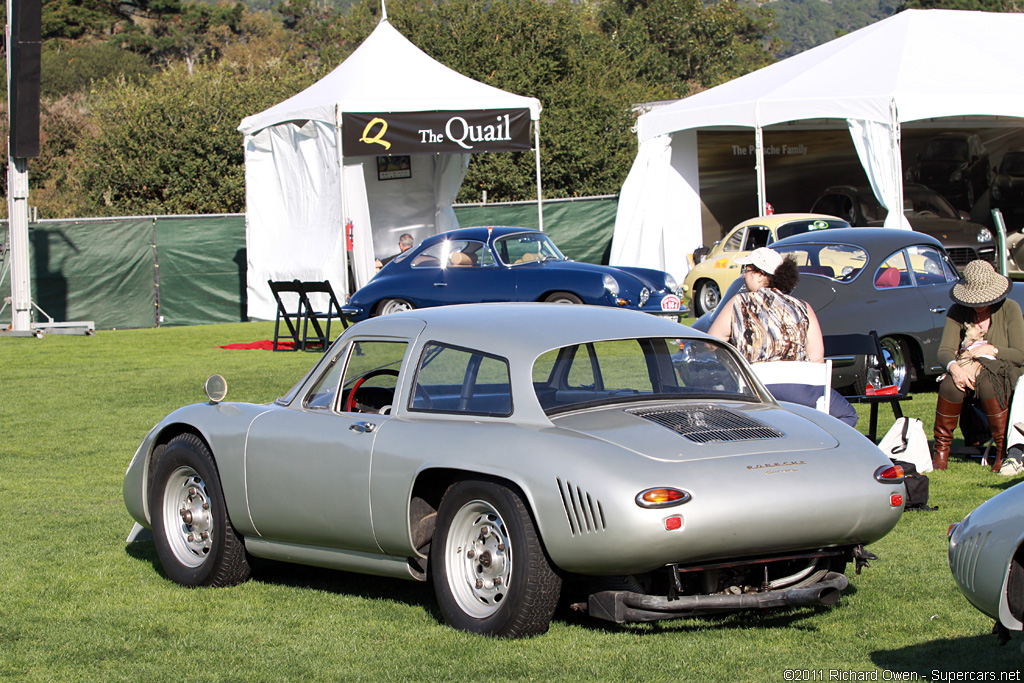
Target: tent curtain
point(362, 264)
point(449, 171)
point(878, 151)
point(648, 229)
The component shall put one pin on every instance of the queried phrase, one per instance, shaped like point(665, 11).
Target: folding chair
point(321, 337)
point(844, 348)
point(290, 314)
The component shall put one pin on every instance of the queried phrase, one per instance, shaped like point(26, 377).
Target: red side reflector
point(896, 500)
point(673, 523)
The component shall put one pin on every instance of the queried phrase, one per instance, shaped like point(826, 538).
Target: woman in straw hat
point(766, 323)
point(980, 299)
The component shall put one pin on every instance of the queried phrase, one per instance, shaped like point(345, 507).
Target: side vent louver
point(704, 423)
point(582, 510)
point(965, 558)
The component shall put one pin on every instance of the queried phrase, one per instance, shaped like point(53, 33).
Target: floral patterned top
point(768, 325)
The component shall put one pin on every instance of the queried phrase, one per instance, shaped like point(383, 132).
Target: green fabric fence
point(191, 270)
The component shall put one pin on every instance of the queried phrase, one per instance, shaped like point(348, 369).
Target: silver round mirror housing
point(216, 388)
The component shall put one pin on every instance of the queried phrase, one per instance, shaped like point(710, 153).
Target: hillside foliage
point(142, 98)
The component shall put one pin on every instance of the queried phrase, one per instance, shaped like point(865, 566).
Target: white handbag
point(906, 441)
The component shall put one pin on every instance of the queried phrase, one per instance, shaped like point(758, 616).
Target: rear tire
point(563, 298)
point(490, 573)
point(389, 306)
point(194, 539)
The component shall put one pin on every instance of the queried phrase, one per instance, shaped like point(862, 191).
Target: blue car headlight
point(671, 284)
point(612, 285)
point(645, 294)
point(984, 235)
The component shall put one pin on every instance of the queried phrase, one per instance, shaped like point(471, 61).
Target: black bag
point(917, 487)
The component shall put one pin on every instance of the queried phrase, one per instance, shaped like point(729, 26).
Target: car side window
point(453, 253)
point(893, 272)
point(735, 242)
point(452, 379)
point(930, 267)
point(757, 236)
point(371, 367)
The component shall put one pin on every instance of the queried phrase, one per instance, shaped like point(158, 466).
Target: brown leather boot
point(947, 414)
point(997, 417)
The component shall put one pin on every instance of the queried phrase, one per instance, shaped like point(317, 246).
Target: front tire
point(194, 539)
point(563, 298)
point(490, 573)
point(708, 297)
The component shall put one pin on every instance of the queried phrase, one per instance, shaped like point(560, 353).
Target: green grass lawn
point(78, 603)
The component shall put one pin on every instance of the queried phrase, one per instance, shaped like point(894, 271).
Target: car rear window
point(809, 225)
point(603, 372)
point(840, 262)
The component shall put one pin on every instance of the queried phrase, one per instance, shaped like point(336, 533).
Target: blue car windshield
point(625, 370)
point(526, 247)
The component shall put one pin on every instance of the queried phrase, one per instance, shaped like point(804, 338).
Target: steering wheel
point(350, 402)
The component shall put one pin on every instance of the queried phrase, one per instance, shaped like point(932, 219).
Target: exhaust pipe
point(625, 606)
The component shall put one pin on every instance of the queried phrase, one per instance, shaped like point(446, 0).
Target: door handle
point(362, 427)
point(440, 284)
point(937, 310)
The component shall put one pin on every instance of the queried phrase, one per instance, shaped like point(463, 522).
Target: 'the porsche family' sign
point(435, 132)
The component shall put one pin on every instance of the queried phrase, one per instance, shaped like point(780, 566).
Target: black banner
point(435, 132)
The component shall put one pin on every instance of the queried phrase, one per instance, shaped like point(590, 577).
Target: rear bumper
point(625, 606)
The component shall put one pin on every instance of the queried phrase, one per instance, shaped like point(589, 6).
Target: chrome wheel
point(708, 297)
point(895, 358)
point(189, 524)
point(563, 298)
point(192, 532)
point(389, 306)
point(490, 572)
point(479, 559)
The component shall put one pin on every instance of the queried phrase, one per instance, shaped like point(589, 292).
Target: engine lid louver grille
point(707, 423)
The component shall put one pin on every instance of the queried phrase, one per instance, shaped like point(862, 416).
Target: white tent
point(387, 134)
point(915, 65)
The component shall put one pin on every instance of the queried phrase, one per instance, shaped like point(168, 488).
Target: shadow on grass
point(943, 659)
point(420, 594)
point(317, 578)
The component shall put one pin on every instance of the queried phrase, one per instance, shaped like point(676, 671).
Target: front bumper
point(625, 606)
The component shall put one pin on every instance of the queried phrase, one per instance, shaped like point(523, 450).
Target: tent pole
point(536, 158)
point(345, 265)
point(895, 134)
point(762, 200)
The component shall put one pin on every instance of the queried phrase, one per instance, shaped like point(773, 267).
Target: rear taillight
point(889, 474)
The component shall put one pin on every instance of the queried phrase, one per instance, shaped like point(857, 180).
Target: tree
point(687, 45)
point(168, 149)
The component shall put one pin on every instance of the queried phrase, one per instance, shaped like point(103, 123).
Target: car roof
point(479, 233)
point(884, 239)
point(777, 219)
point(527, 329)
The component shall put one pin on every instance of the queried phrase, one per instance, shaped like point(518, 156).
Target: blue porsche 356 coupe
point(478, 265)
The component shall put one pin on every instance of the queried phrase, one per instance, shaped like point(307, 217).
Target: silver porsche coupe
point(986, 556)
point(501, 450)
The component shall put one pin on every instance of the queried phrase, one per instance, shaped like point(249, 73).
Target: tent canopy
point(915, 65)
point(304, 184)
point(387, 73)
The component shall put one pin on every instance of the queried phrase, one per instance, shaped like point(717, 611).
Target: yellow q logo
point(376, 138)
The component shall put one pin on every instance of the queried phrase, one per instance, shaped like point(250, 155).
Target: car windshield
point(808, 225)
point(927, 204)
point(945, 149)
point(840, 262)
point(525, 247)
point(604, 372)
point(1013, 164)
